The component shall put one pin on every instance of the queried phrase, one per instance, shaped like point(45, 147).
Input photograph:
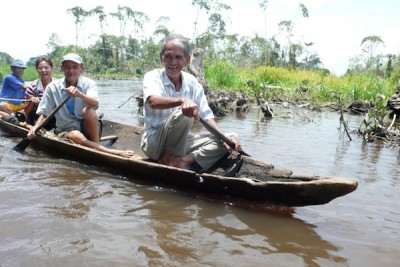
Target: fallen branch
point(391, 124)
point(342, 121)
point(126, 101)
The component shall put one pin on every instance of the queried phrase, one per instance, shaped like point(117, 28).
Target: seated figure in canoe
point(12, 92)
point(77, 119)
point(44, 67)
point(172, 99)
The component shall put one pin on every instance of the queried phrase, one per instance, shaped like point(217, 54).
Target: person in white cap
point(77, 119)
point(13, 88)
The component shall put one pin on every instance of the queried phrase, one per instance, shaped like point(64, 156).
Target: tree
point(161, 27)
point(54, 41)
point(370, 44)
point(304, 10)
point(389, 65)
point(286, 27)
point(217, 24)
point(102, 16)
point(373, 62)
point(55, 47)
point(311, 60)
point(150, 55)
point(263, 5)
point(259, 51)
point(80, 15)
point(125, 14)
point(215, 17)
point(295, 51)
point(201, 4)
point(6, 58)
point(291, 51)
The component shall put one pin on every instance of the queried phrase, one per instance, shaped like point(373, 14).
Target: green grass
point(222, 75)
point(314, 86)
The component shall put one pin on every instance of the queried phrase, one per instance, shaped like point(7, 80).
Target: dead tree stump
point(196, 67)
point(393, 104)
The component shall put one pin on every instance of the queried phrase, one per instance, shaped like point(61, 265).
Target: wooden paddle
point(21, 146)
point(221, 136)
point(15, 99)
point(109, 140)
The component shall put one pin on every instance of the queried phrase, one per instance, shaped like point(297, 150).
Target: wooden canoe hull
point(257, 181)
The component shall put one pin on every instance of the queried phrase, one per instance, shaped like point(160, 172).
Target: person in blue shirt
point(13, 89)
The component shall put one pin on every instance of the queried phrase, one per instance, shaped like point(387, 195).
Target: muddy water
point(60, 212)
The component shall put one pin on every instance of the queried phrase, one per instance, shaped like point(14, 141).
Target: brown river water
point(57, 212)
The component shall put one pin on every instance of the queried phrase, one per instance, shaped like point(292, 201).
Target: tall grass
point(316, 86)
point(222, 75)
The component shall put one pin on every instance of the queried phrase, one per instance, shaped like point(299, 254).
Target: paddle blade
point(21, 146)
point(110, 142)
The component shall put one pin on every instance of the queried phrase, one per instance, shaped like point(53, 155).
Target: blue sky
point(336, 27)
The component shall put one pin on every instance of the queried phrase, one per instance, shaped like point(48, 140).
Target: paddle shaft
point(15, 99)
point(51, 115)
point(221, 136)
point(21, 146)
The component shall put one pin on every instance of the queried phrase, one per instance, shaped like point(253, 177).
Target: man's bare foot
point(165, 158)
point(122, 153)
point(180, 162)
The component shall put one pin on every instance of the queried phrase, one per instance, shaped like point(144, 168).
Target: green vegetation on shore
point(318, 87)
point(271, 83)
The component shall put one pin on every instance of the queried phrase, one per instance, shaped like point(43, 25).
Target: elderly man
point(77, 119)
point(173, 99)
point(13, 88)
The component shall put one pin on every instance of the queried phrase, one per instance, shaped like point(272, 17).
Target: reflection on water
point(190, 231)
point(59, 212)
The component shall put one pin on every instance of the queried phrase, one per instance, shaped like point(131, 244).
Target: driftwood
point(196, 67)
point(342, 121)
point(393, 104)
point(360, 106)
point(239, 103)
point(265, 108)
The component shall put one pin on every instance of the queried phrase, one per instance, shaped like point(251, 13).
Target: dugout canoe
point(257, 181)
